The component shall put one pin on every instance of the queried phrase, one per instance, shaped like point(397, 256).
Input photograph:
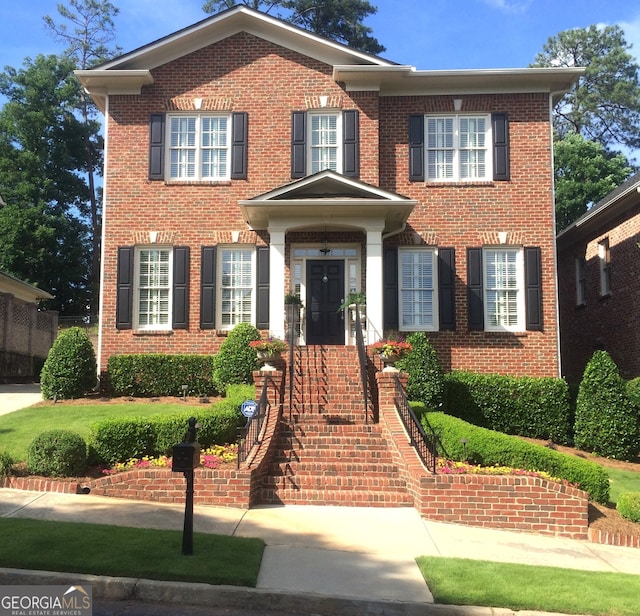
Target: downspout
point(392, 233)
point(103, 242)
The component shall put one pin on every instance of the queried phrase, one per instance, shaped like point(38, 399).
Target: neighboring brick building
point(599, 281)
point(246, 158)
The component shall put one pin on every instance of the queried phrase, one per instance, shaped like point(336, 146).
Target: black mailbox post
point(186, 458)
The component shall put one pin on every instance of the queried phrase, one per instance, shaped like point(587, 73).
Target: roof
point(129, 73)
point(21, 290)
point(617, 202)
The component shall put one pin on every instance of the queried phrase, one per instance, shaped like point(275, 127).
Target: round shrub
point(236, 360)
point(57, 453)
point(426, 383)
point(6, 464)
point(629, 506)
point(70, 369)
point(606, 421)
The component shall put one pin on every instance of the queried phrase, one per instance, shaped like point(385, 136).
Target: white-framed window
point(604, 258)
point(324, 139)
point(199, 147)
point(153, 280)
point(504, 301)
point(581, 284)
point(418, 289)
point(236, 293)
point(458, 148)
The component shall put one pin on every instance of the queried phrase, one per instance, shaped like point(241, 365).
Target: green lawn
point(129, 552)
point(19, 428)
point(622, 481)
point(458, 581)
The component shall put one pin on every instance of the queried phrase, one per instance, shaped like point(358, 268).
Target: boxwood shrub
point(120, 439)
point(156, 374)
point(628, 506)
point(57, 453)
point(525, 406)
point(460, 440)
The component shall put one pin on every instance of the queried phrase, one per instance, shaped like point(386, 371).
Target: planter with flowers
point(268, 349)
point(390, 351)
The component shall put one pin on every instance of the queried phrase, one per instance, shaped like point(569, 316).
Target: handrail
point(362, 360)
point(249, 433)
point(425, 444)
point(291, 338)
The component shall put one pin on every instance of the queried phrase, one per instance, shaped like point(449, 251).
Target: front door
point(325, 292)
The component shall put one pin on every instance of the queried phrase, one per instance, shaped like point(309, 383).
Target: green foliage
point(6, 464)
point(57, 453)
point(156, 374)
point(606, 421)
point(629, 506)
point(585, 173)
point(70, 369)
point(633, 391)
point(526, 406)
point(119, 439)
point(236, 360)
point(489, 448)
point(426, 383)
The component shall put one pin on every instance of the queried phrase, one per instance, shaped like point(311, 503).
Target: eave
point(22, 290)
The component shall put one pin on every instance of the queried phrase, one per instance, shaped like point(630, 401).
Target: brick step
point(379, 469)
point(313, 426)
point(337, 440)
point(328, 418)
point(292, 496)
point(336, 484)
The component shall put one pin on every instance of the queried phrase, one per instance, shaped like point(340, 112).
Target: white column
point(374, 289)
point(276, 282)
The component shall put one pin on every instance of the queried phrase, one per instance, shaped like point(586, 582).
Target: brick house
point(246, 159)
point(598, 257)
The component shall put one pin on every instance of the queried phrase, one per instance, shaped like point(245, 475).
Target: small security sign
point(249, 408)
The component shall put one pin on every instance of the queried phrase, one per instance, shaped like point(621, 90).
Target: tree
point(604, 105)
point(339, 20)
point(88, 45)
point(43, 238)
point(585, 173)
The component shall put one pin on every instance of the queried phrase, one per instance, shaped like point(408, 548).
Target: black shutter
point(239, 145)
point(533, 286)
point(124, 294)
point(298, 144)
point(390, 288)
point(475, 302)
point(262, 288)
point(180, 312)
point(500, 129)
point(156, 146)
point(208, 287)
point(416, 148)
point(447, 288)
point(351, 138)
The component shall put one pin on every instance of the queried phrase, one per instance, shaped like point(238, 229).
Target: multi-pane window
point(604, 257)
point(236, 286)
point(153, 266)
point(199, 147)
point(458, 148)
point(503, 289)
point(418, 286)
point(581, 291)
point(325, 129)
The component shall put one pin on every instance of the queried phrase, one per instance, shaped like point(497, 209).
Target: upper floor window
point(504, 289)
point(458, 148)
point(199, 147)
point(153, 282)
point(324, 140)
point(418, 288)
point(604, 257)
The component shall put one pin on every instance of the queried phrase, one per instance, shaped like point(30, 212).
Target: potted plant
point(268, 348)
point(292, 299)
point(390, 351)
point(355, 300)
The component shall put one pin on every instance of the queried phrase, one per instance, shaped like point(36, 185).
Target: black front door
point(325, 290)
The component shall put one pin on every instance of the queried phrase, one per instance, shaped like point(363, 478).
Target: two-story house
point(247, 159)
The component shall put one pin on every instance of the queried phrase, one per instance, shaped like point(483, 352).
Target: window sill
point(198, 182)
point(152, 332)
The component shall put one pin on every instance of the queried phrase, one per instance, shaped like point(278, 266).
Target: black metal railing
point(425, 444)
point(362, 361)
point(293, 332)
point(249, 435)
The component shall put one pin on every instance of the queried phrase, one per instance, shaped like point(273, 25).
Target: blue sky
point(428, 34)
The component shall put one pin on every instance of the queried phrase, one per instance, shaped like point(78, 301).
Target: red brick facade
point(602, 320)
point(268, 82)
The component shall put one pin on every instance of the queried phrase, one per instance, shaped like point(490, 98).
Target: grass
point(459, 581)
point(129, 552)
point(622, 481)
point(19, 428)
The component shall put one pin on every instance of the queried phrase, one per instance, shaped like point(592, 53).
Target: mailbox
point(186, 457)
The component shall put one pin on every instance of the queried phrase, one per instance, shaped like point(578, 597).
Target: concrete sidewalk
point(16, 396)
point(328, 560)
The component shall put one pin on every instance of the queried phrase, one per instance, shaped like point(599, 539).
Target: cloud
point(510, 6)
point(632, 35)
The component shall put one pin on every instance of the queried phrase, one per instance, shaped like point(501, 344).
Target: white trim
point(520, 288)
point(136, 289)
point(435, 325)
point(219, 288)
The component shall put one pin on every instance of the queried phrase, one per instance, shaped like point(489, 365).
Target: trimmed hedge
point(628, 506)
point(489, 448)
point(236, 360)
point(155, 374)
point(426, 383)
point(525, 406)
point(57, 453)
point(120, 439)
